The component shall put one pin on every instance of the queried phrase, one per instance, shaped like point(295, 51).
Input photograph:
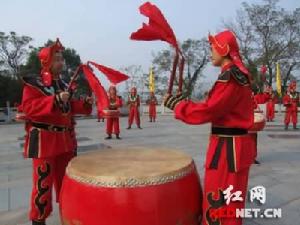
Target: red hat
point(45, 55)
point(225, 44)
point(112, 87)
point(133, 90)
point(263, 69)
point(268, 89)
point(293, 85)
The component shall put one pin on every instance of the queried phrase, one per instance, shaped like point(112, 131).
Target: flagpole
point(278, 83)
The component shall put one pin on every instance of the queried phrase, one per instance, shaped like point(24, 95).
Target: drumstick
point(181, 68)
point(74, 77)
point(173, 73)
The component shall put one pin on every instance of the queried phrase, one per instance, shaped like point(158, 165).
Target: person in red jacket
point(134, 108)
point(291, 101)
point(152, 102)
point(112, 121)
point(270, 100)
point(50, 137)
point(270, 108)
point(229, 108)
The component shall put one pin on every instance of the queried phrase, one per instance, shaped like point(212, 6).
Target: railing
point(8, 114)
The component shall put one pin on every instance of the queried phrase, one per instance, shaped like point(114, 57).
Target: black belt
point(230, 154)
point(228, 131)
point(50, 127)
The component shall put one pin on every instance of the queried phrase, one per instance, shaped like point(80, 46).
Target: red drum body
point(259, 122)
point(108, 113)
point(131, 187)
point(20, 117)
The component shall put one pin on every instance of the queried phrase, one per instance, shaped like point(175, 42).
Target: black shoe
point(256, 162)
point(38, 222)
point(295, 127)
point(118, 136)
point(286, 127)
point(108, 137)
point(128, 128)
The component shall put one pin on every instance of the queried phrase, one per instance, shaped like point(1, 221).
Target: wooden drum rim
point(129, 180)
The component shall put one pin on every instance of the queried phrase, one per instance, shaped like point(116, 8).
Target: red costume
point(291, 101)
point(50, 139)
point(134, 108)
point(152, 102)
point(270, 100)
point(231, 150)
point(114, 77)
point(270, 107)
point(112, 121)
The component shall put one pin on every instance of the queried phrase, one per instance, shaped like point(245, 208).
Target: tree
point(32, 65)
point(13, 51)
point(137, 78)
point(11, 90)
point(196, 58)
point(268, 34)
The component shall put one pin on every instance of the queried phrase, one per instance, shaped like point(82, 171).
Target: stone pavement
point(279, 153)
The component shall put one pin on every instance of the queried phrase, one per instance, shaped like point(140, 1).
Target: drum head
point(130, 167)
point(259, 117)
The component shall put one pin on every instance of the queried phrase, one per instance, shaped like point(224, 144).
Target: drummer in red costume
point(112, 120)
point(270, 106)
point(229, 108)
point(269, 98)
point(134, 108)
point(50, 140)
point(152, 102)
point(291, 101)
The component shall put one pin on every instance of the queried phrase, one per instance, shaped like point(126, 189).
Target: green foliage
point(11, 90)
point(196, 58)
point(269, 34)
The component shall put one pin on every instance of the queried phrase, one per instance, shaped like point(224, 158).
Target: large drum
point(111, 113)
point(259, 122)
point(131, 187)
point(20, 117)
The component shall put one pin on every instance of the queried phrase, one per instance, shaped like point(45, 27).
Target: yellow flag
point(151, 81)
point(278, 79)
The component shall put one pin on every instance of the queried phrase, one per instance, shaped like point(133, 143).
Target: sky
point(99, 30)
